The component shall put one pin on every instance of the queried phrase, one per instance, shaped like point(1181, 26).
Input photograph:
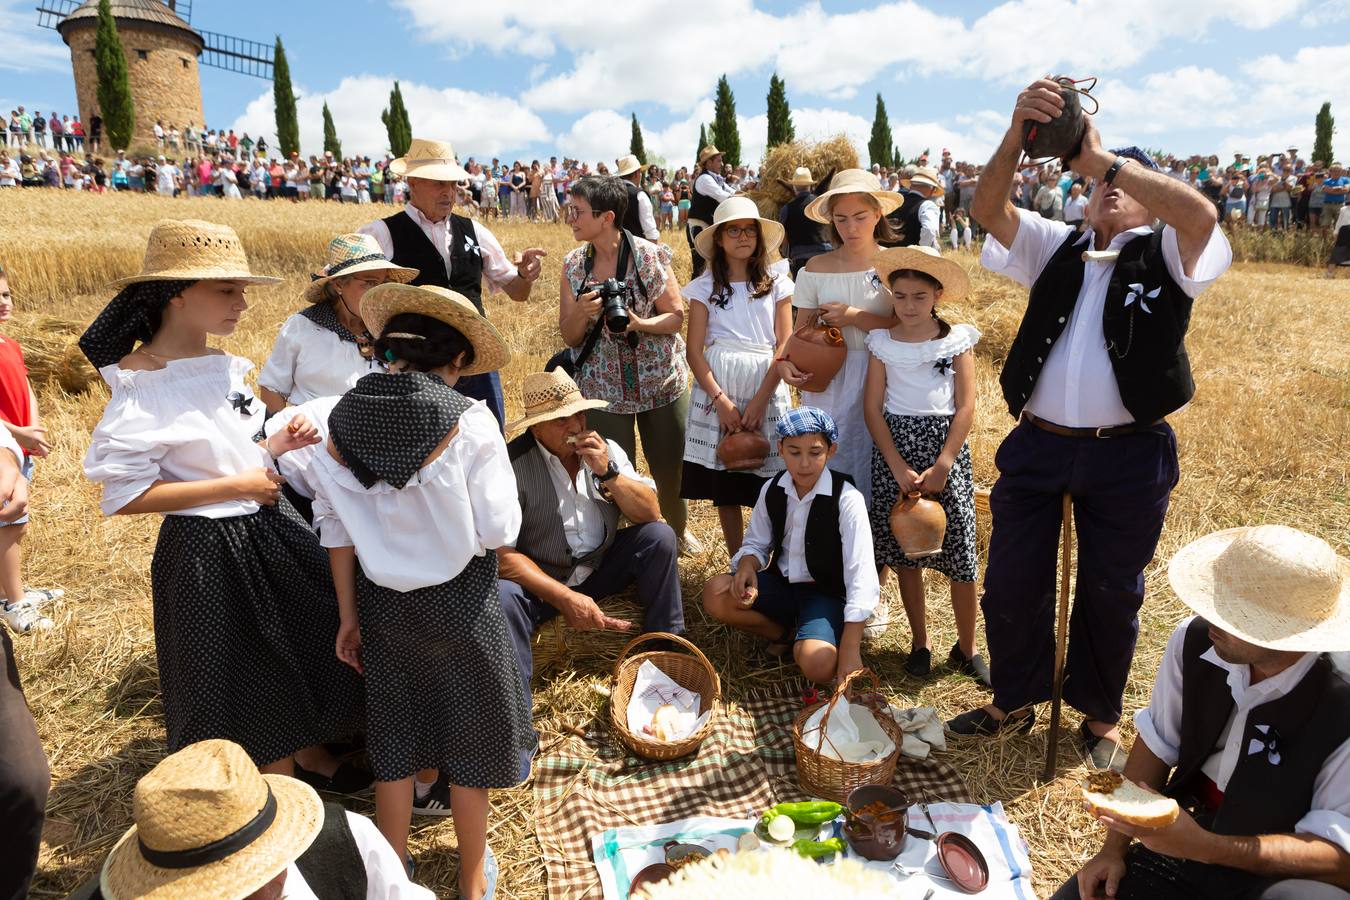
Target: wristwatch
point(600, 481)
point(1115, 168)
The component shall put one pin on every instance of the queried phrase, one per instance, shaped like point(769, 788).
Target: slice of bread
point(1108, 792)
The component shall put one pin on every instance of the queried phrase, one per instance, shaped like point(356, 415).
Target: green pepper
point(817, 849)
point(811, 812)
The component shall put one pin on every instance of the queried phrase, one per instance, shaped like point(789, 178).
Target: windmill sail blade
point(50, 12)
point(237, 55)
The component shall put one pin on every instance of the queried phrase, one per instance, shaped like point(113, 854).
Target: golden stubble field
point(1266, 440)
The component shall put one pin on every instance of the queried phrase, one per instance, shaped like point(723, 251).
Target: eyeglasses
point(736, 232)
point(574, 213)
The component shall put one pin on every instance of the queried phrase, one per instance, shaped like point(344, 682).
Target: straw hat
point(627, 165)
point(429, 159)
point(349, 254)
point(551, 395)
point(955, 282)
point(734, 209)
point(801, 177)
point(928, 177)
point(1270, 585)
point(708, 153)
point(192, 250)
point(207, 793)
point(384, 301)
point(852, 181)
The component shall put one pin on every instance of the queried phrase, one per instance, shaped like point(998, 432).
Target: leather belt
point(1106, 431)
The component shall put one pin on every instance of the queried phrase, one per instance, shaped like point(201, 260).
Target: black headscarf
point(386, 426)
point(132, 317)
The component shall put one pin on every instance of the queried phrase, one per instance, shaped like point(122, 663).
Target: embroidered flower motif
point(1270, 745)
point(1137, 293)
point(944, 365)
point(241, 402)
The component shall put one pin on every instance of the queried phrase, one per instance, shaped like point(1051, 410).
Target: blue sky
point(533, 78)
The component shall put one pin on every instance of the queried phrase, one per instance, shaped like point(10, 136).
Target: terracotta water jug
point(919, 525)
point(743, 450)
point(817, 350)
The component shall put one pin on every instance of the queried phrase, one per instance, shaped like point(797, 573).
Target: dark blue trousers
point(1120, 489)
point(487, 386)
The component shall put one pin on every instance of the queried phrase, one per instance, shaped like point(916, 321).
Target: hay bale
point(52, 354)
point(823, 158)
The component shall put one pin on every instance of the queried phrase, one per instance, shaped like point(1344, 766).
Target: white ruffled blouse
point(193, 420)
point(308, 362)
point(920, 380)
point(460, 505)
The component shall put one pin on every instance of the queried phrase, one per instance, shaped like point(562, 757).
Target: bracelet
point(1115, 168)
point(720, 395)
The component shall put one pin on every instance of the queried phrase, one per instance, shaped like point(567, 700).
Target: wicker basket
point(694, 673)
point(832, 779)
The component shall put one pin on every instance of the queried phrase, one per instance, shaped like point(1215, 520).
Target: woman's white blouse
point(178, 423)
point(745, 318)
point(460, 505)
point(918, 383)
point(308, 362)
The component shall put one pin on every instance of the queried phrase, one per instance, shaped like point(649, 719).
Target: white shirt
point(386, 877)
point(497, 268)
point(861, 587)
point(645, 217)
point(7, 442)
point(929, 224)
point(745, 318)
point(580, 504)
point(1075, 209)
point(711, 186)
point(167, 175)
point(308, 362)
point(176, 424)
point(916, 385)
point(1159, 726)
point(1077, 386)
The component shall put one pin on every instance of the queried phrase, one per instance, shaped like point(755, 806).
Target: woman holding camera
point(626, 335)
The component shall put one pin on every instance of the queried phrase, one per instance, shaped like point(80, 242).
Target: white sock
point(421, 789)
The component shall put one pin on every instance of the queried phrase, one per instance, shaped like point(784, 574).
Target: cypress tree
point(725, 135)
point(1326, 127)
point(879, 148)
point(635, 146)
point(702, 140)
point(288, 122)
point(114, 93)
point(780, 114)
point(396, 123)
point(330, 138)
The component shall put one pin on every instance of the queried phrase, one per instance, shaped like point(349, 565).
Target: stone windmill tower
point(163, 54)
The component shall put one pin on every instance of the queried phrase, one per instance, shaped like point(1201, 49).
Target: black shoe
point(920, 662)
point(981, 723)
point(436, 802)
point(974, 666)
point(1103, 753)
point(348, 779)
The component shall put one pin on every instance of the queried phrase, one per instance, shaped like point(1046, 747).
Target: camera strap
point(621, 267)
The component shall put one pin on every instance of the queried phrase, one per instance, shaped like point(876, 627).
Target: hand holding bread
point(1109, 794)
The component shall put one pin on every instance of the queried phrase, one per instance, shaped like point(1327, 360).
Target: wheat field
point(1266, 440)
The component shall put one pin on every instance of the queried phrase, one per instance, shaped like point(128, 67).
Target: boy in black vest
point(1250, 714)
point(804, 578)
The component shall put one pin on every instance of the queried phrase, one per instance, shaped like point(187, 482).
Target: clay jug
point(818, 350)
point(919, 525)
point(743, 450)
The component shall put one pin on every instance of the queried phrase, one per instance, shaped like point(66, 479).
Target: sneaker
point(437, 800)
point(874, 629)
point(42, 595)
point(980, 723)
point(690, 545)
point(23, 617)
point(974, 666)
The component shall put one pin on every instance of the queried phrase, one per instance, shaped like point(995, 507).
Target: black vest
point(1147, 346)
point(905, 220)
point(414, 250)
point(824, 548)
point(801, 231)
point(702, 206)
point(1308, 724)
point(631, 222)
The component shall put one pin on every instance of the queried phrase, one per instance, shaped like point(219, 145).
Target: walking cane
point(1061, 638)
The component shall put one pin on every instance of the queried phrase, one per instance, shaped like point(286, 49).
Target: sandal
point(1103, 752)
point(981, 723)
point(490, 871)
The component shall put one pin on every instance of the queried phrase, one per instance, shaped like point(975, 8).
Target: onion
point(782, 829)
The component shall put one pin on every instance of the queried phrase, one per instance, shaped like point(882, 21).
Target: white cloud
point(1181, 99)
point(1301, 84)
point(1328, 12)
point(29, 48)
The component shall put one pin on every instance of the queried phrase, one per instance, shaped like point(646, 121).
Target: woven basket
point(693, 673)
point(832, 779)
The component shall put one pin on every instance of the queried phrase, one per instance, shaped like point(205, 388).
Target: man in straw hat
point(1250, 714)
point(573, 487)
point(1098, 363)
point(209, 826)
point(638, 218)
point(804, 238)
point(449, 250)
point(918, 221)
point(709, 189)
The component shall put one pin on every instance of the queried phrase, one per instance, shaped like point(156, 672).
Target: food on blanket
point(819, 849)
point(679, 855)
point(665, 724)
point(880, 812)
point(807, 812)
point(748, 843)
point(781, 829)
point(1108, 792)
point(750, 876)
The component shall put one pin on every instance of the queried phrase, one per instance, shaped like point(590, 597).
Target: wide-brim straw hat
point(206, 793)
point(193, 250)
point(384, 301)
point(708, 153)
point(1270, 585)
point(853, 181)
point(551, 395)
point(928, 177)
point(429, 159)
point(349, 254)
point(735, 209)
point(627, 165)
point(955, 281)
point(801, 177)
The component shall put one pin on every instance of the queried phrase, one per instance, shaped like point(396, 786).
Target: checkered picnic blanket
point(583, 786)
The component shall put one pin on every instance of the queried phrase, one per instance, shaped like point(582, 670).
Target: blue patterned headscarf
point(802, 420)
point(1137, 155)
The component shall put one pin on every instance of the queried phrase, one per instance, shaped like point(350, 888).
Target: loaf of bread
point(665, 723)
point(1108, 792)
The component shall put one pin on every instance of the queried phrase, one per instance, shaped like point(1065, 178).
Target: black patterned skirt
point(245, 620)
point(442, 684)
point(920, 439)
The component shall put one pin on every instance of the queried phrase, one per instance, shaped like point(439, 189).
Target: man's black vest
point(701, 206)
point(1145, 320)
point(905, 220)
point(801, 231)
point(631, 222)
point(1271, 789)
point(824, 549)
point(413, 249)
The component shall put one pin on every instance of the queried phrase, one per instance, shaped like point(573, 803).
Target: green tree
point(725, 135)
point(880, 149)
point(114, 93)
point(635, 146)
point(702, 140)
point(780, 114)
point(396, 123)
point(1326, 127)
point(331, 143)
point(288, 123)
